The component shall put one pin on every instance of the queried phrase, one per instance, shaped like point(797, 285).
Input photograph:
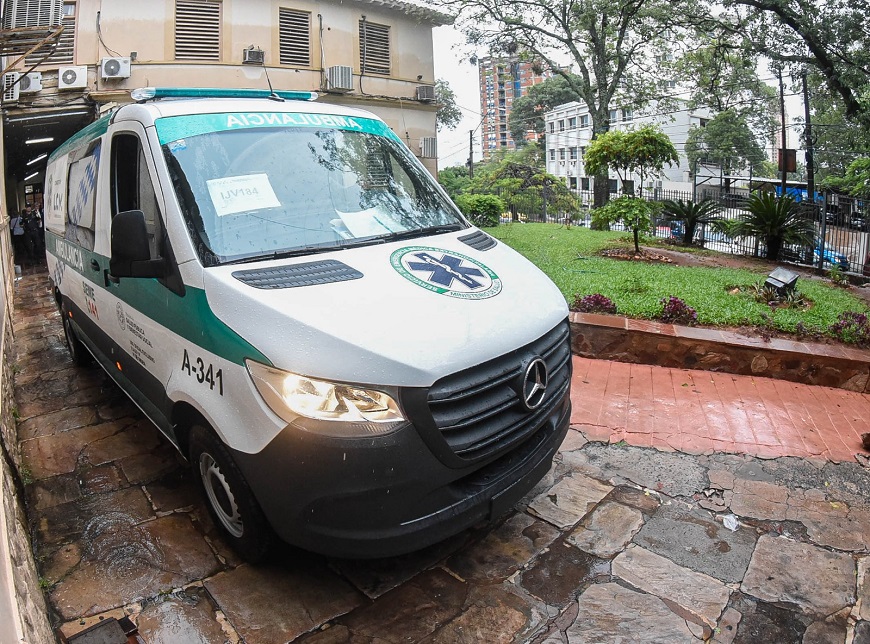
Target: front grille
point(479, 411)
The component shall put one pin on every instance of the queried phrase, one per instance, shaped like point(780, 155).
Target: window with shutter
point(64, 51)
point(31, 13)
point(294, 29)
point(374, 48)
point(197, 30)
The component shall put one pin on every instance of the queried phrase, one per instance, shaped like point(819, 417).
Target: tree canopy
point(727, 141)
point(527, 113)
point(449, 115)
point(643, 151)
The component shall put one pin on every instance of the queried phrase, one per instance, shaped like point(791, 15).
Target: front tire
point(77, 351)
point(230, 501)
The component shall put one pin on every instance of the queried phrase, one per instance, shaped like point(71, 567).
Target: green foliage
point(691, 214)
point(527, 112)
point(726, 140)
point(555, 251)
point(448, 115)
point(454, 180)
point(634, 212)
point(643, 151)
point(857, 179)
point(775, 221)
point(481, 210)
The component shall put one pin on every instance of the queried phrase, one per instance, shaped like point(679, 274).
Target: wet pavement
point(629, 538)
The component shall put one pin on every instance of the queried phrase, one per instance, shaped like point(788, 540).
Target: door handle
point(95, 265)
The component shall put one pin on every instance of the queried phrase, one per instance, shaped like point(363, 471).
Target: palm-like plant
point(691, 214)
point(774, 220)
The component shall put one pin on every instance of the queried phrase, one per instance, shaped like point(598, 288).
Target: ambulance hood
point(404, 313)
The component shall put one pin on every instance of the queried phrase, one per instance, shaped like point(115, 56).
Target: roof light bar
point(150, 93)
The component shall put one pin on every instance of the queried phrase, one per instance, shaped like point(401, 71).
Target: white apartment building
point(568, 131)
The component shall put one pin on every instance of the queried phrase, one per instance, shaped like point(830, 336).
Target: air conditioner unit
point(72, 77)
point(339, 78)
point(31, 83)
point(428, 147)
point(253, 56)
point(115, 68)
point(425, 93)
point(11, 87)
point(32, 13)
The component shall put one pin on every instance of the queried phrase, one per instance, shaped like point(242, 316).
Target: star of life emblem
point(446, 272)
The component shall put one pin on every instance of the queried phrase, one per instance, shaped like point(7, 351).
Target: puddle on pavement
point(122, 548)
point(564, 572)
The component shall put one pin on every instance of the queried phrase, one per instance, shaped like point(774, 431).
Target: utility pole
point(471, 154)
point(782, 114)
point(808, 132)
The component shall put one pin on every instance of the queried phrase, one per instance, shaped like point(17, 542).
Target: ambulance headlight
point(347, 410)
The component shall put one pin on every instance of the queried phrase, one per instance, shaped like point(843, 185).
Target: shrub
point(676, 311)
point(481, 210)
point(852, 327)
point(595, 303)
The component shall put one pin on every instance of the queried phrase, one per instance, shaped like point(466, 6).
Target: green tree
point(773, 220)
point(448, 115)
point(856, 180)
point(454, 180)
point(727, 141)
point(642, 152)
point(610, 44)
point(527, 113)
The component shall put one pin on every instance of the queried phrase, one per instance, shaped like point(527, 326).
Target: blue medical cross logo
point(446, 269)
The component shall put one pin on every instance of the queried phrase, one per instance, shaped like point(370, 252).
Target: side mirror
point(131, 256)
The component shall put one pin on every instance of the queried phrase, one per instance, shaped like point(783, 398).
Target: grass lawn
point(571, 258)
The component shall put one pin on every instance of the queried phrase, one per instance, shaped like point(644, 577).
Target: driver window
point(132, 188)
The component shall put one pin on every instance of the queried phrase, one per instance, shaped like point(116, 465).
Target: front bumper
point(368, 498)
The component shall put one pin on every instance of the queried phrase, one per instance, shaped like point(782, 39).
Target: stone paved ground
point(619, 543)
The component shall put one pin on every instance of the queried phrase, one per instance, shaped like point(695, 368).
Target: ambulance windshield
point(264, 192)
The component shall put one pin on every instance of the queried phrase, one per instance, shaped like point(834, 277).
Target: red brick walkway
point(703, 411)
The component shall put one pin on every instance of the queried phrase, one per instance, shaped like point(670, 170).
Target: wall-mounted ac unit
point(11, 87)
point(253, 56)
point(425, 93)
point(339, 78)
point(32, 13)
point(72, 77)
point(31, 83)
point(115, 68)
point(428, 147)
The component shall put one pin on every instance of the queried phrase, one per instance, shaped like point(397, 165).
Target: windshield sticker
point(231, 195)
point(367, 223)
point(446, 273)
point(175, 128)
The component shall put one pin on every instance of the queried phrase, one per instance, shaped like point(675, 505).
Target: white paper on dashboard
point(231, 195)
point(365, 223)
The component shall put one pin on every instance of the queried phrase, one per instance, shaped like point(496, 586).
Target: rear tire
point(230, 501)
point(77, 350)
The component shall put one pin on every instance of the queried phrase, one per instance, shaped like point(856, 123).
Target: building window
point(64, 52)
point(552, 127)
point(572, 123)
point(612, 186)
point(627, 114)
point(562, 126)
point(197, 30)
point(561, 154)
point(572, 154)
point(572, 183)
point(294, 32)
point(374, 48)
point(628, 187)
point(584, 183)
point(552, 154)
point(584, 120)
point(614, 116)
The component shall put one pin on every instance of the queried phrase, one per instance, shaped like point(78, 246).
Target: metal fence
point(842, 222)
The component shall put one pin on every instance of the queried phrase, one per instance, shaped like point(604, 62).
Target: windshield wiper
point(283, 254)
point(420, 232)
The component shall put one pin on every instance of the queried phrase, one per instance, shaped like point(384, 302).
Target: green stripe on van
point(190, 316)
point(174, 128)
point(85, 135)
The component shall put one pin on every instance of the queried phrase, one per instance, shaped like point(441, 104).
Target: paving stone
point(101, 479)
point(144, 468)
point(377, 576)
point(607, 529)
point(700, 595)
point(864, 588)
point(186, 616)
point(569, 500)
point(68, 521)
point(174, 491)
point(574, 440)
point(611, 613)
point(817, 581)
point(862, 633)
point(47, 493)
point(561, 573)
point(825, 632)
point(761, 622)
point(57, 422)
point(693, 539)
point(760, 500)
point(726, 629)
point(138, 438)
point(833, 523)
point(278, 603)
point(77, 626)
point(59, 453)
point(123, 561)
point(504, 550)
point(491, 615)
point(644, 500)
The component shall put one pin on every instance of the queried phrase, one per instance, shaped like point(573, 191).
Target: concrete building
point(503, 80)
point(568, 130)
point(372, 54)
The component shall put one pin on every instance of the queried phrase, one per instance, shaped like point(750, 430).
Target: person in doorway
point(32, 239)
point(18, 248)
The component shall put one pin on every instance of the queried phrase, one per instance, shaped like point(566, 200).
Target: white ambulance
point(283, 289)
